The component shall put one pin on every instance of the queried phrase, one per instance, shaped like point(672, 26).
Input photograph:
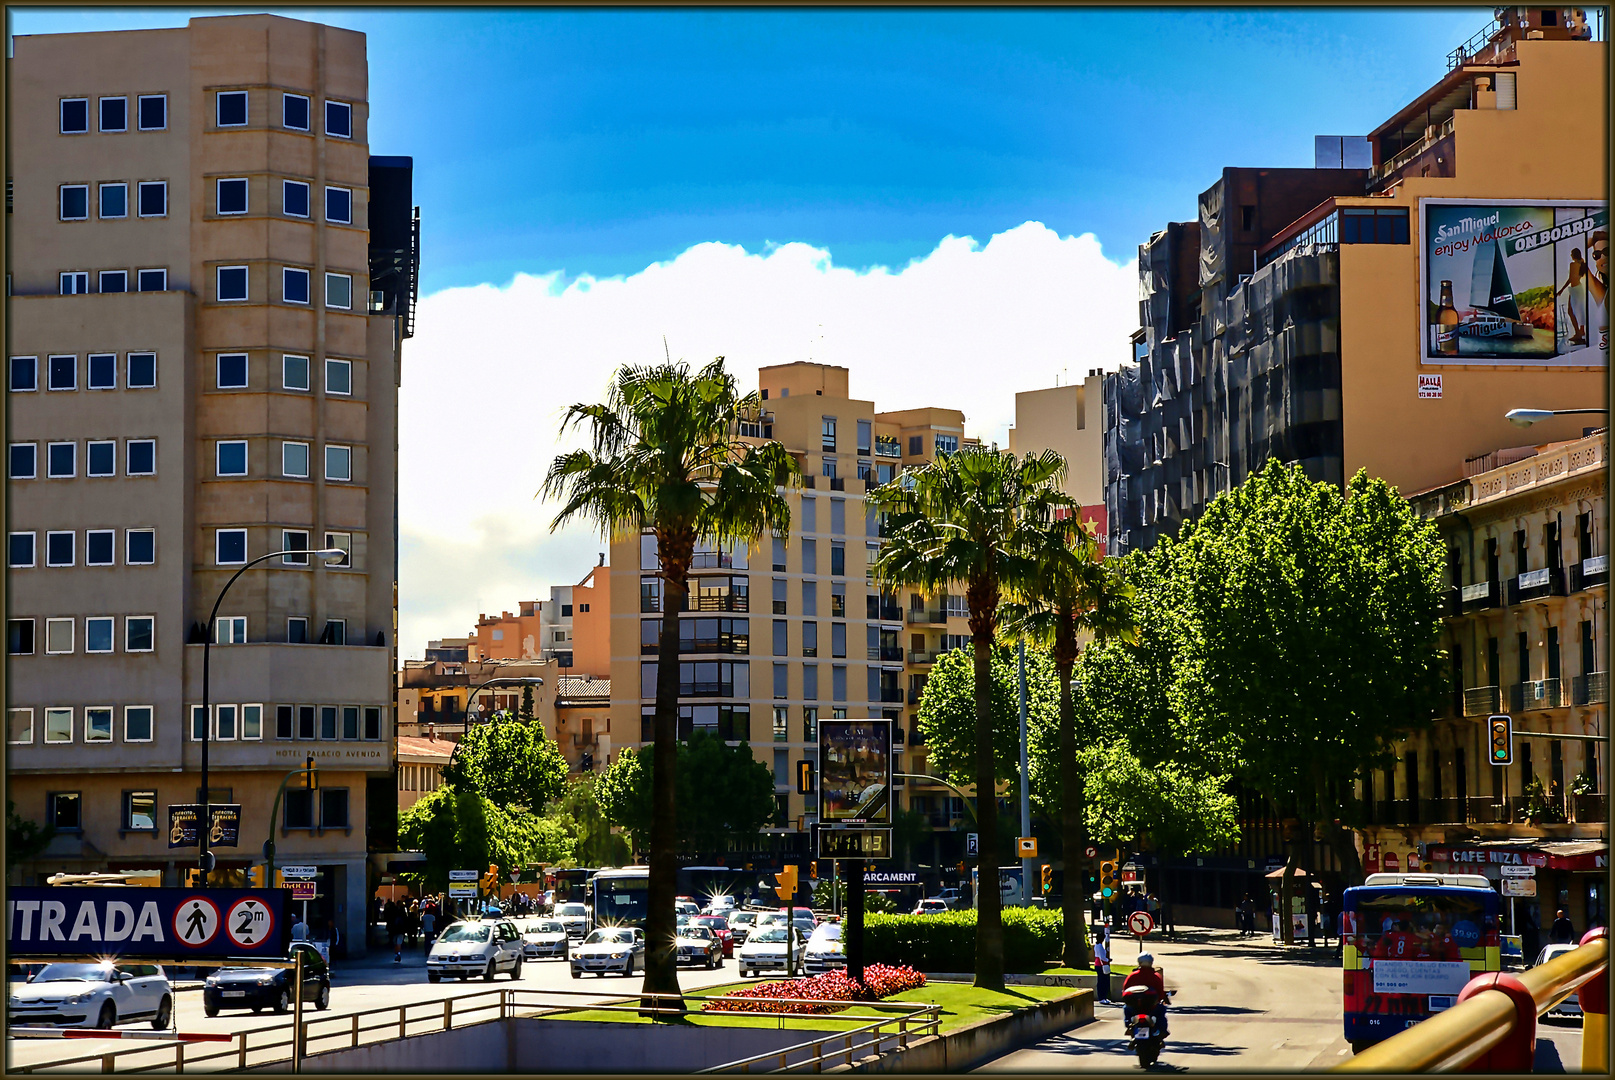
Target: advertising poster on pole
point(1514, 283)
point(855, 771)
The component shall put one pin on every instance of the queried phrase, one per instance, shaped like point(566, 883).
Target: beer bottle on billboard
point(1446, 323)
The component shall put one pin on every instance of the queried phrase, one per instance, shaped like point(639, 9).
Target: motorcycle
point(1143, 1034)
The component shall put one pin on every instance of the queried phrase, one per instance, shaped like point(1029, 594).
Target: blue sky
point(597, 142)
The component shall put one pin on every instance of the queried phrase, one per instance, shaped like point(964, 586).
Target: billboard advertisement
point(855, 771)
point(1515, 283)
point(157, 924)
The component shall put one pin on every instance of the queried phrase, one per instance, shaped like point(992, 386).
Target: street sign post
point(304, 890)
point(299, 873)
point(464, 875)
point(1518, 871)
point(1026, 847)
point(1139, 924)
point(972, 845)
point(1514, 886)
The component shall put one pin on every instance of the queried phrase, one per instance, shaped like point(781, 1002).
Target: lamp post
point(1527, 417)
point(205, 824)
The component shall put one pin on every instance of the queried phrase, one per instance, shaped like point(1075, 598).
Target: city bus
point(570, 884)
point(619, 897)
point(1409, 944)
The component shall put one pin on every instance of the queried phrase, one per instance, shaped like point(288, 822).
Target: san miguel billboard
point(855, 772)
point(1516, 283)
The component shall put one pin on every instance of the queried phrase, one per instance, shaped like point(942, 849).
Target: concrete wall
point(978, 1043)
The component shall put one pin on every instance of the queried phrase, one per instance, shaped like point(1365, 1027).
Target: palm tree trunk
point(989, 898)
point(661, 959)
point(1073, 841)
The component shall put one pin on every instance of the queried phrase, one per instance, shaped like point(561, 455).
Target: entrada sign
point(161, 924)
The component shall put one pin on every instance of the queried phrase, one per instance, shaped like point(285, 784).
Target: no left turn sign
point(1140, 923)
point(249, 923)
point(196, 922)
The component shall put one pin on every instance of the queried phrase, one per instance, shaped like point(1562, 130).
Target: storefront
point(1554, 875)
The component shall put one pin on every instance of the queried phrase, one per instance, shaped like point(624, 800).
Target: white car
point(930, 907)
point(697, 944)
point(476, 948)
point(826, 949)
point(92, 996)
point(719, 905)
point(765, 951)
point(543, 938)
point(804, 919)
point(1570, 1006)
point(686, 907)
point(618, 949)
point(575, 917)
point(740, 924)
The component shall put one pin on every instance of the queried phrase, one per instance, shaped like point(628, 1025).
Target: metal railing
point(1480, 700)
point(1540, 694)
point(844, 1048)
point(1590, 689)
point(1453, 1040)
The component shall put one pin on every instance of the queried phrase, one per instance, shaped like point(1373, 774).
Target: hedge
point(1033, 937)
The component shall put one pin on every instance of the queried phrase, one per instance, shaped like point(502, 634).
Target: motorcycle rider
point(1147, 975)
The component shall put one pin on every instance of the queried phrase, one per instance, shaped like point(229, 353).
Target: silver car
point(1570, 1006)
point(575, 917)
point(543, 939)
point(610, 950)
point(98, 995)
point(765, 950)
point(825, 949)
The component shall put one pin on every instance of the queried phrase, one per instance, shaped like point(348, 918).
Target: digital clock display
point(855, 843)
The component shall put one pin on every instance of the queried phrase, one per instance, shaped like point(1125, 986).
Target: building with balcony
point(777, 637)
point(1527, 632)
point(210, 282)
point(1328, 316)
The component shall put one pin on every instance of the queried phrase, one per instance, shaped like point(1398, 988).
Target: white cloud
point(491, 369)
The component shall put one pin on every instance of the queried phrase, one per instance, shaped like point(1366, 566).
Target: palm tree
point(666, 459)
point(1074, 593)
point(969, 518)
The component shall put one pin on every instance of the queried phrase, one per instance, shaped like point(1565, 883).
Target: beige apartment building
point(793, 630)
point(210, 279)
point(1070, 421)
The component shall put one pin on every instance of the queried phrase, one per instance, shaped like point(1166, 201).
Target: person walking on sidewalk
point(428, 929)
point(1101, 963)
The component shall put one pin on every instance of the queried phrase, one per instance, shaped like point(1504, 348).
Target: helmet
point(1146, 960)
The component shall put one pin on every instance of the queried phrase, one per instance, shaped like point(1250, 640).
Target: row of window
point(100, 369)
point(100, 548)
point(77, 282)
point(100, 459)
point(61, 725)
point(295, 286)
point(230, 109)
point(100, 635)
point(151, 200)
point(230, 373)
point(64, 810)
point(230, 723)
point(231, 198)
point(230, 460)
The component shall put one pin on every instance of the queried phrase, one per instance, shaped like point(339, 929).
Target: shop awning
point(1547, 854)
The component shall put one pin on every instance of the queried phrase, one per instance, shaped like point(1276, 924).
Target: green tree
point(578, 811)
point(724, 793)
point(511, 761)
point(1169, 807)
point(1074, 593)
point(526, 713)
point(666, 459)
point(969, 518)
point(24, 839)
point(1310, 638)
point(464, 830)
point(947, 715)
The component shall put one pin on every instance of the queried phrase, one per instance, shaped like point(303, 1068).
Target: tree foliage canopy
point(464, 830)
point(723, 792)
point(511, 761)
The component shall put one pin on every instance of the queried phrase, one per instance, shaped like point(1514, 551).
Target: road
point(357, 986)
point(1241, 1006)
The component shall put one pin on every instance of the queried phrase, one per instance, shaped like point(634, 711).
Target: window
point(339, 291)
point(230, 630)
point(283, 721)
point(140, 811)
point(294, 372)
point(838, 682)
point(780, 629)
point(63, 808)
point(75, 283)
point(299, 809)
point(810, 598)
point(58, 637)
point(781, 675)
point(350, 721)
point(372, 722)
point(341, 540)
point(232, 283)
point(305, 721)
point(153, 198)
point(339, 377)
point(916, 445)
point(1368, 225)
point(810, 557)
point(24, 374)
point(23, 461)
point(294, 540)
point(339, 205)
point(103, 366)
point(98, 634)
point(339, 463)
point(19, 725)
point(838, 600)
point(827, 433)
point(58, 725)
point(294, 285)
point(294, 459)
point(100, 547)
point(140, 547)
point(20, 549)
point(838, 517)
point(946, 444)
point(20, 637)
point(294, 195)
point(252, 722)
point(334, 808)
point(230, 457)
point(829, 468)
point(230, 547)
point(114, 200)
point(232, 108)
point(810, 517)
point(75, 202)
point(139, 633)
point(838, 560)
point(59, 548)
point(294, 112)
point(328, 719)
point(782, 730)
point(138, 723)
point(339, 119)
point(143, 365)
point(141, 458)
point(97, 724)
point(232, 196)
point(113, 281)
point(232, 371)
point(63, 372)
point(838, 640)
point(100, 458)
point(335, 632)
point(75, 116)
point(224, 722)
point(810, 682)
point(198, 723)
point(296, 633)
point(810, 639)
point(152, 112)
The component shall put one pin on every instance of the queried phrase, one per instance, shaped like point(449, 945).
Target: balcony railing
point(923, 656)
point(927, 616)
point(1481, 595)
point(1480, 700)
point(913, 696)
point(1589, 572)
point(1590, 689)
point(718, 602)
point(892, 695)
point(1540, 694)
point(1536, 584)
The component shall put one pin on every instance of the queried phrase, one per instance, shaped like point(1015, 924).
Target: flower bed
point(830, 992)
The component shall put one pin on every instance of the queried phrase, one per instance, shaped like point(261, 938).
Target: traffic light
point(1502, 740)
point(1107, 879)
point(255, 877)
point(1048, 878)
point(787, 883)
point(804, 777)
point(311, 774)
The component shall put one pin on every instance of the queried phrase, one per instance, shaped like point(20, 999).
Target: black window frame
point(51, 815)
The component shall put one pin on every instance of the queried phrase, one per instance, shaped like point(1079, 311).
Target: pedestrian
point(1563, 933)
point(1101, 964)
point(1530, 927)
point(299, 930)
point(428, 929)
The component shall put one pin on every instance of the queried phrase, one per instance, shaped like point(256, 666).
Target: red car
point(720, 929)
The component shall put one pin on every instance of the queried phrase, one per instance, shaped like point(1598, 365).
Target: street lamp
point(1527, 417)
point(205, 825)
